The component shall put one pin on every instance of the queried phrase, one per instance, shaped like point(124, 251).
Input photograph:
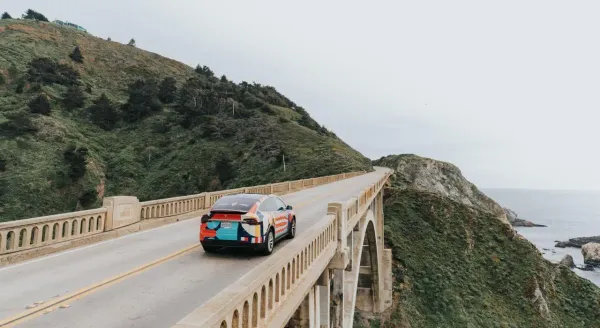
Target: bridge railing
point(268, 295)
point(122, 211)
point(21, 235)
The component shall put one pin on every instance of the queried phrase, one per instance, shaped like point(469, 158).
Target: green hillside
point(63, 147)
point(459, 266)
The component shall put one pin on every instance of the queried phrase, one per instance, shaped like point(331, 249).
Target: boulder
point(567, 260)
point(586, 267)
point(515, 221)
point(561, 244)
point(578, 242)
point(591, 253)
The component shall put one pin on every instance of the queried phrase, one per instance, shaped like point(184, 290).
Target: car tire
point(269, 243)
point(292, 229)
point(209, 249)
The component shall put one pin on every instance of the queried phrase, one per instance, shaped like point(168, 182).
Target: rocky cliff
point(444, 179)
point(458, 263)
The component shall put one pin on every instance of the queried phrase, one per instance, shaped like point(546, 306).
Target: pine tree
point(73, 98)
point(143, 100)
point(223, 78)
point(103, 113)
point(109, 39)
point(131, 42)
point(6, 15)
point(32, 14)
point(76, 55)
point(168, 90)
point(40, 105)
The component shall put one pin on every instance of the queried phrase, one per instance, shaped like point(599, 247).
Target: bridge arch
point(363, 284)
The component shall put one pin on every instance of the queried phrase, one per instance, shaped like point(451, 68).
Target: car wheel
point(292, 229)
point(269, 243)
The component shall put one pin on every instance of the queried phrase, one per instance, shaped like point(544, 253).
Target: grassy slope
point(458, 266)
point(150, 159)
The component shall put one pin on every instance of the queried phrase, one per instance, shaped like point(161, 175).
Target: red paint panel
point(226, 217)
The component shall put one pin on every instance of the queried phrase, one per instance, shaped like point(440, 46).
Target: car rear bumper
point(230, 244)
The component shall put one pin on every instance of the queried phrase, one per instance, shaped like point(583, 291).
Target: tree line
point(29, 14)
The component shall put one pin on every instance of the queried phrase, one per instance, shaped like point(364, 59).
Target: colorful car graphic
point(247, 220)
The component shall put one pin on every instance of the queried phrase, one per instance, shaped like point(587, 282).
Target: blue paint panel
point(228, 234)
point(212, 225)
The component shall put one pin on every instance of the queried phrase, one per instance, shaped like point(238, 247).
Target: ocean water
point(567, 214)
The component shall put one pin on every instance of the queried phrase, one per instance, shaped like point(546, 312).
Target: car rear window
point(234, 203)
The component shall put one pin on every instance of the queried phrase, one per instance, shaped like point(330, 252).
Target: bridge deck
point(158, 296)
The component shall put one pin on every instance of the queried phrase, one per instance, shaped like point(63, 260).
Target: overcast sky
point(508, 91)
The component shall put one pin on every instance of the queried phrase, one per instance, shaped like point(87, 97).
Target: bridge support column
point(322, 296)
point(309, 313)
point(337, 299)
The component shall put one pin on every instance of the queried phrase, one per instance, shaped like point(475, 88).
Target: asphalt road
point(155, 297)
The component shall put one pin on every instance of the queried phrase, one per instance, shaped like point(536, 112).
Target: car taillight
point(205, 218)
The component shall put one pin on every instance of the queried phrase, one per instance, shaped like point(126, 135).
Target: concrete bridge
point(139, 264)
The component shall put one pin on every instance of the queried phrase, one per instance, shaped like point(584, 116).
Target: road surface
point(157, 296)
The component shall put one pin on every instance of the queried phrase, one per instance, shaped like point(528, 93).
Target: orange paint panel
point(206, 233)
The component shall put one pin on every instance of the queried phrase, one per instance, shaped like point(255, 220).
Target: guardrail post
point(121, 211)
point(341, 258)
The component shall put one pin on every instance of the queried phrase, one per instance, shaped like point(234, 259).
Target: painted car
point(247, 220)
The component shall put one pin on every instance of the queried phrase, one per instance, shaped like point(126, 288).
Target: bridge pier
point(337, 299)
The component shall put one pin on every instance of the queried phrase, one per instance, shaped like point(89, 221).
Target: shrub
point(32, 14)
point(88, 198)
point(167, 93)
point(143, 100)
point(225, 170)
point(18, 124)
point(6, 15)
point(267, 109)
point(46, 71)
point(13, 71)
point(2, 164)
point(73, 98)
point(40, 105)
point(131, 42)
point(204, 70)
point(76, 55)
point(75, 158)
point(20, 86)
point(103, 113)
point(2, 79)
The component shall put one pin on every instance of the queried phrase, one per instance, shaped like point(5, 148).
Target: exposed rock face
point(568, 261)
point(591, 253)
point(539, 301)
point(515, 221)
point(443, 178)
point(578, 242)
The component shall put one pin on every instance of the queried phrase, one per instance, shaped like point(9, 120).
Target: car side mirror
point(205, 218)
point(289, 207)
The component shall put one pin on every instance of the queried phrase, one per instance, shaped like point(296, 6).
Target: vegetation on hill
point(82, 118)
point(458, 265)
